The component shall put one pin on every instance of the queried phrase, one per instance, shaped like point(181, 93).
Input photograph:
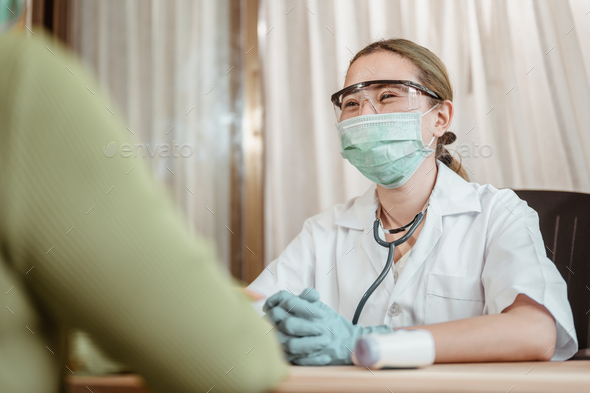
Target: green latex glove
point(313, 334)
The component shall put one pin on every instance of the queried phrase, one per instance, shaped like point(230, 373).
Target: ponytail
point(445, 156)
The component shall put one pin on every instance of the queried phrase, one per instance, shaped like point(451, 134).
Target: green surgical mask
point(10, 13)
point(387, 148)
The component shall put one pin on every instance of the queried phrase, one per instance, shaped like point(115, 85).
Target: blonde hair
point(433, 75)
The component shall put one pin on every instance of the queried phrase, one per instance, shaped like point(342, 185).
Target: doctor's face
point(386, 65)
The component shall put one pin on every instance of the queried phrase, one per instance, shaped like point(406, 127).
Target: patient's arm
point(112, 256)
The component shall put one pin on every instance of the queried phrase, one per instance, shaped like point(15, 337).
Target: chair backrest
point(564, 218)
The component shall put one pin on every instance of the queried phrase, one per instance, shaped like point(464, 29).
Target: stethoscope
point(410, 227)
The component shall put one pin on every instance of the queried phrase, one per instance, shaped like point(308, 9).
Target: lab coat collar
point(451, 195)
point(361, 211)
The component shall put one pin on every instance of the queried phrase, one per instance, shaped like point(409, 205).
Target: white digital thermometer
point(399, 349)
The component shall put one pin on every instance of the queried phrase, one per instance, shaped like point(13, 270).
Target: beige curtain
point(166, 65)
point(520, 71)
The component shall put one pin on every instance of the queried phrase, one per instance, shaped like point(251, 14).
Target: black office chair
point(564, 218)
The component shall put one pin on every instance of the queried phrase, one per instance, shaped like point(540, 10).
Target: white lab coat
point(478, 249)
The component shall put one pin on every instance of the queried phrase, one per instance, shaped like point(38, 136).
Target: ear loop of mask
point(432, 140)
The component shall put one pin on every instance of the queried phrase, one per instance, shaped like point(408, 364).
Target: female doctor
point(474, 272)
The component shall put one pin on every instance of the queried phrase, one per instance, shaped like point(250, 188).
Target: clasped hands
point(311, 333)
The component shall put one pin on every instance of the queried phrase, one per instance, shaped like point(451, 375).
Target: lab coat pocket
point(449, 298)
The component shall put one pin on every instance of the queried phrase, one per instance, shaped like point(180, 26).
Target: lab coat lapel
point(429, 237)
point(451, 195)
point(361, 216)
point(372, 250)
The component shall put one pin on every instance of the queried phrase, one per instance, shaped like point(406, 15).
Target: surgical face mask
point(387, 148)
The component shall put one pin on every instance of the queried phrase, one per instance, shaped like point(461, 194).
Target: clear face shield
point(381, 96)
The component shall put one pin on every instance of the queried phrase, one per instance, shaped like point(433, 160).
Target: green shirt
point(90, 242)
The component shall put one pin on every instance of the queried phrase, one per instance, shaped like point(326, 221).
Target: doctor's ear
point(443, 115)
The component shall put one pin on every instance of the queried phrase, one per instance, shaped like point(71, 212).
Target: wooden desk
point(127, 383)
point(534, 377)
point(572, 376)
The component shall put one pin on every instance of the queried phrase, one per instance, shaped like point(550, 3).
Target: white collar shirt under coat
point(478, 249)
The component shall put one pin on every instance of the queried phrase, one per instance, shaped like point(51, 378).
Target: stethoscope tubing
point(391, 246)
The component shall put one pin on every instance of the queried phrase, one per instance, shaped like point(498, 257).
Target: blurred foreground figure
point(88, 241)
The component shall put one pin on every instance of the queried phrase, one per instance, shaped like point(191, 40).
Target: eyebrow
point(377, 85)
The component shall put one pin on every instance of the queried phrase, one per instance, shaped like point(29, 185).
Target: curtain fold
point(165, 65)
point(520, 72)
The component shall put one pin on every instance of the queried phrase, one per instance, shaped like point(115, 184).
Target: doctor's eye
point(349, 104)
point(387, 96)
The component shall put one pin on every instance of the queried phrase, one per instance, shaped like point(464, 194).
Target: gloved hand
point(311, 333)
